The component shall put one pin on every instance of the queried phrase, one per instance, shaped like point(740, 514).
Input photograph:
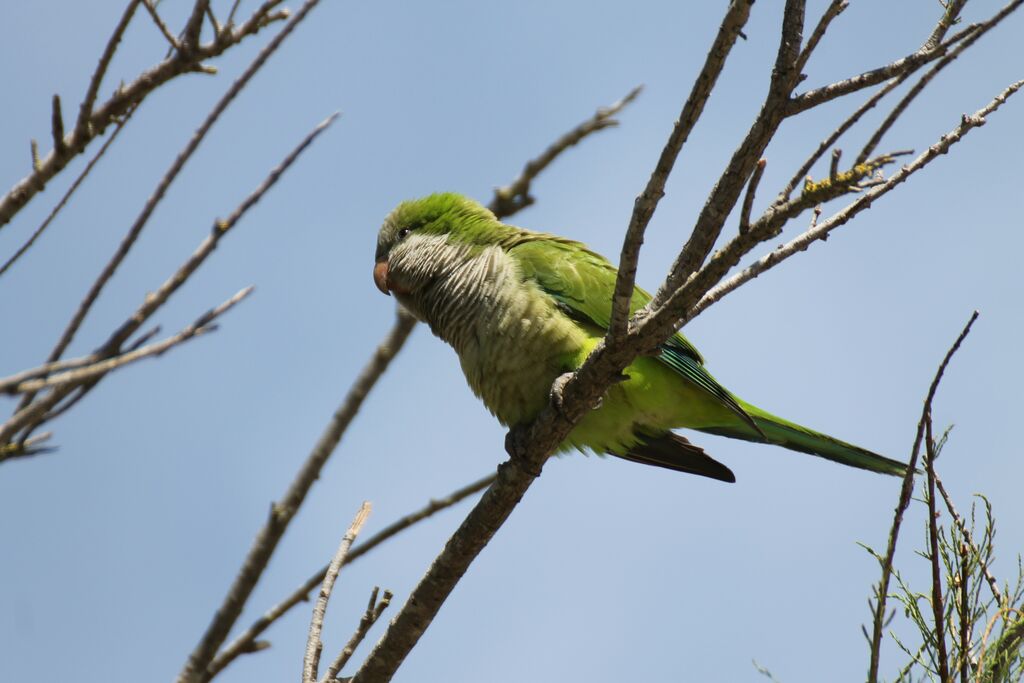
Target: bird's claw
point(515, 445)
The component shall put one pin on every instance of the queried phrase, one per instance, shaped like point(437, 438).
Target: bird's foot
point(557, 392)
point(516, 441)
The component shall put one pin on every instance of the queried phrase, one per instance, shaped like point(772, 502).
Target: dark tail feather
point(674, 452)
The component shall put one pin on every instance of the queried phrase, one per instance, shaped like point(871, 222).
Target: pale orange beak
point(380, 276)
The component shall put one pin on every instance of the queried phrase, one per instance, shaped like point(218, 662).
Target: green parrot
point(521, 308)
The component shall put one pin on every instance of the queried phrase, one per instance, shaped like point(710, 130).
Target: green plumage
point(522, 307)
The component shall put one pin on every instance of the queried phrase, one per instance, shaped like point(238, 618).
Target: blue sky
point(118, 547)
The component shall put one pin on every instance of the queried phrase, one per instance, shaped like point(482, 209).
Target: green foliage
point(983, 621)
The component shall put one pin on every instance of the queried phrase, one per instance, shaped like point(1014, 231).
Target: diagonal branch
point(901, 107)
point(906, 491)
point(30, 415)
point(282, 513)
point(734, 178)
point(246, 641)
point(314, 646)
point(373, 611)
point(125, 98)
point(89, 371)
point(643, 208)
point(732, 252)
point(67, 196)
point(516, 196)
point(172, 173)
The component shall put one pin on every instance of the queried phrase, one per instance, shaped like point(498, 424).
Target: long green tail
point(794, 437)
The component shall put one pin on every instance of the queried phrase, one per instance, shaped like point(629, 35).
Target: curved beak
point(380, 276)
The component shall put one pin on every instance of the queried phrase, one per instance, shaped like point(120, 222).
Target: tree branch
point(882, 591)
point(516, 196)
point(735, 19)
point(282, 513)
point(93, 123)
point(97, 368)
point(314, 646)
point(29, 413)
point(901, 107)
point(246, 642)
point(731, 253)
point(373, 611)
point(67, 195)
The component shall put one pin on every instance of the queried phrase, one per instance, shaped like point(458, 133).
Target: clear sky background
point(117, 548)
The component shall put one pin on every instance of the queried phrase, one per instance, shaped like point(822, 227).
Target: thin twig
point(906, 490)
point(67, 196)
point(172, 173)
point(993, 584)
point(282, 513)
point(735, 19)
point(834, 9)
point(937, 601)
point(27, 416)
point(748, 198)
point(931, 50)
point(85, 110)
point(373, 611)
point(126, 97)
point(247, 641)
point(516, 196)
point(836, 134)
point(731, 254)
point(723, 197)
point(901, 107)
point(314, 646)
point(101, 367)
point(148, 4)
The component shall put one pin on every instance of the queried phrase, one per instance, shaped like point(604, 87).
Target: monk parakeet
point(521, 308)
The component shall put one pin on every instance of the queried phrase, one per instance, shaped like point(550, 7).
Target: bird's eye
point(402, 233)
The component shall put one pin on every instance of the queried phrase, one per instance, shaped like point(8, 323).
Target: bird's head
point(421, 237)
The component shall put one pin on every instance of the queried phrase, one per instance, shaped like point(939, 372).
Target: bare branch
point(29, 413)
point(373, 611)
point(67, 195)
point(836, 134)
point(126, 97)
point(282, 513)
point(516, 196)
point(643, 208)
point(172, 173)
point(731, 254)
point(194, 26)
point(748, 198)
point(906, 491)
point(901, 107)
point(97, 368)
point(148, 4)
point(834, 9)
point(246, 642)
point(314, 646)
point(932, 49)
point(85, 110)
point(726, 192)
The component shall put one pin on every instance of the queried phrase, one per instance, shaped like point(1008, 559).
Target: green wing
point(583, 282)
